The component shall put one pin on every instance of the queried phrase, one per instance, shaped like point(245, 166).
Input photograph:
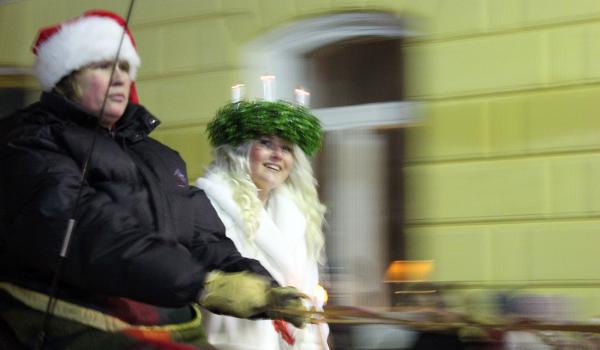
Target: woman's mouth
point(117, 97)
point(272, 166)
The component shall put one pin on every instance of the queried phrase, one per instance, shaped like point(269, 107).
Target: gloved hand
point(285, 303)
point(239, 294)
point(244, 295)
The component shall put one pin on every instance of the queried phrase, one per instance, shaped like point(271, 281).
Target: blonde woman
point(262, 186)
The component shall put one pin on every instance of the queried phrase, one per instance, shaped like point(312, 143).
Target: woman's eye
point(124, 66)
point(287, 149)
point(265, 142)
point(104, 65)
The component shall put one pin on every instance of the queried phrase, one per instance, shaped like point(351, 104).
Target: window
point(17, 90)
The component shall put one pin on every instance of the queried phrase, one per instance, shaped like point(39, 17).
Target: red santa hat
point(93, 37)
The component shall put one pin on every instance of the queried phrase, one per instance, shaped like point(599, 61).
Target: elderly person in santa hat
point(146, 247)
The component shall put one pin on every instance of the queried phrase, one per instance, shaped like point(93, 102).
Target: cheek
point(256, 156)
point(93, 90)
point(98, 86)
point(254, 160)
point(289, 163)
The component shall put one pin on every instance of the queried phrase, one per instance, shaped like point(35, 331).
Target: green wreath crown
point(245, 120)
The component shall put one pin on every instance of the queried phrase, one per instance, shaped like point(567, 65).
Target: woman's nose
point(118, 75)
point(277, 152)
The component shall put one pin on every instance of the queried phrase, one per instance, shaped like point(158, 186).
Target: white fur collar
point(280, 238)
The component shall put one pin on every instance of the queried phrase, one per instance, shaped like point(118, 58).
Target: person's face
point(271, 160)
point(93, 82)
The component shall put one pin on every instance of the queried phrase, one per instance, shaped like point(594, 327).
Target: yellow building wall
point(501, 181)
point(502, 174)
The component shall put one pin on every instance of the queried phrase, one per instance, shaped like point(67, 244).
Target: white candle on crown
point(302, 97)
point(268, 82)
point(237, 92)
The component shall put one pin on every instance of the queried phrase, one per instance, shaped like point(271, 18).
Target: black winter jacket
point(142, 232)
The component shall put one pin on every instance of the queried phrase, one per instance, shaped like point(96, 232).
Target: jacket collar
point(135, 124)
point(66, 110)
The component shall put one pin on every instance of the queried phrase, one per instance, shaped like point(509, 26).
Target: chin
point(275, 185)
point(114, 112)
point(110, 119)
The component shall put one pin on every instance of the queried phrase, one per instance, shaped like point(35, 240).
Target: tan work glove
point(247, 295)
point(239, 294)
point(285, 303)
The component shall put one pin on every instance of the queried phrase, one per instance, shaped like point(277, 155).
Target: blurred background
point(462, 135)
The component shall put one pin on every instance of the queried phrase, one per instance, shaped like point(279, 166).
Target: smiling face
point(93, 80)
point(271, 160)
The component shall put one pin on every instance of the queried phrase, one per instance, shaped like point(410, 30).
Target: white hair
point(233, 162)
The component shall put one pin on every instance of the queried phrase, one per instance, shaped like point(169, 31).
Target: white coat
point(280, 246)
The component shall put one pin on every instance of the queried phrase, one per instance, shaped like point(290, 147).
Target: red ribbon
point(282, 328)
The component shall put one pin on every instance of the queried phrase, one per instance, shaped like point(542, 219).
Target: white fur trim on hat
point(81, 42)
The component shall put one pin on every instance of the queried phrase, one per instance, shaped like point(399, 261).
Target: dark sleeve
point(110, 252)
point(212, 247)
